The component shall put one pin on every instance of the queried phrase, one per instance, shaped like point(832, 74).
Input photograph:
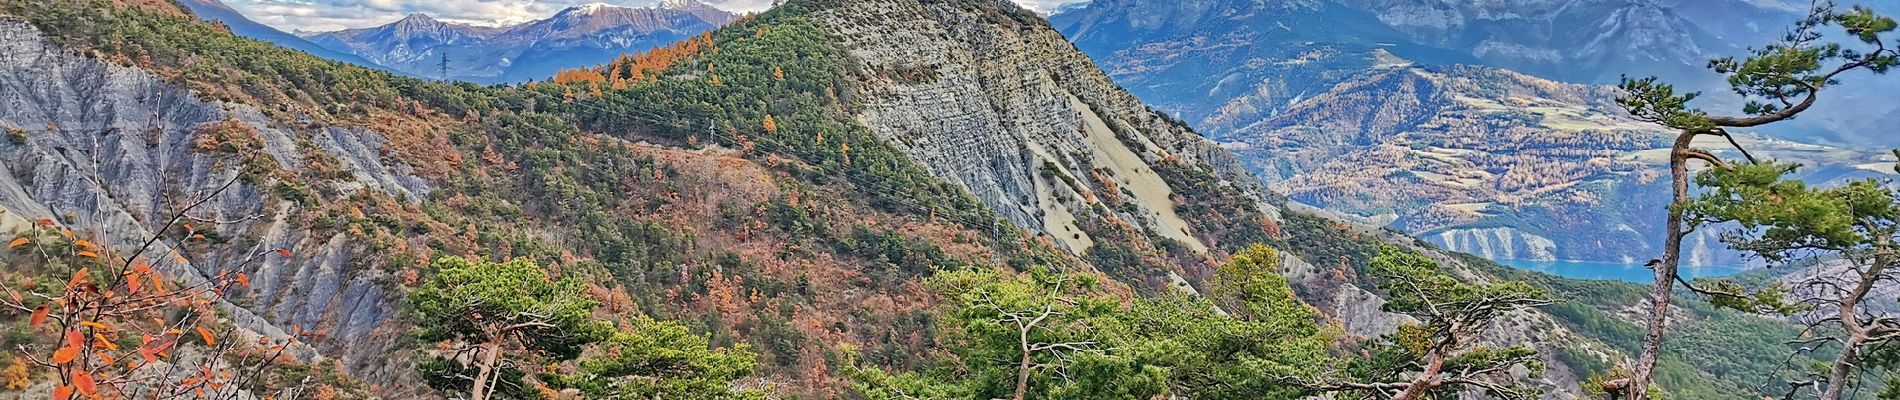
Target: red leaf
point(62, 393)
point(46, 222)
point(284, 252)
point(148, 354)
point(18, 242)
point(74, 339)
point(206, 334)
point(39, 315)
point(82, 380)
point(65, 355)
point(78, 276)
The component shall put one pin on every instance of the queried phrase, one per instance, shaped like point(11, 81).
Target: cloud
point(330, 15)
point(1045, 6)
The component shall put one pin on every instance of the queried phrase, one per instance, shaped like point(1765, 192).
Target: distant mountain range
point(578, 36)
point(212, 10)
point(416, 45)
point(1226, 64)
point(1499, 164)
point(1378, 108)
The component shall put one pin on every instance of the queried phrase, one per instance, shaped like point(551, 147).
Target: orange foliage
point(108, 319)
point(17, 375)
point(579, 75)
point(643, 67)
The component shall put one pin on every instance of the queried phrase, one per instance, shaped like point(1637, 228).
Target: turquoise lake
point(1613, 271)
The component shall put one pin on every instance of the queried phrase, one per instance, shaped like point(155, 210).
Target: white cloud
point(330, 15)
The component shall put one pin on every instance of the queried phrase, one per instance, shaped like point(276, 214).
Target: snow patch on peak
point(678, 4)
point(416, 17)
point(590, 8)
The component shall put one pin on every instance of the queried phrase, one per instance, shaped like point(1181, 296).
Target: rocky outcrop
point(1496, 243)
point(1006, 107)
point(115, 151)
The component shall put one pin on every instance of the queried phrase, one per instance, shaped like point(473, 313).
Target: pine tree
point(1779, 82)
point(493, 311)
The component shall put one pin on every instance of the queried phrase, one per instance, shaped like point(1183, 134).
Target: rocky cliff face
point(1008, 109)
point(1497, 244)
point(115, 150)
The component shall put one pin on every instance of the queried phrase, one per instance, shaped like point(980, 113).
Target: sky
point(330, 15)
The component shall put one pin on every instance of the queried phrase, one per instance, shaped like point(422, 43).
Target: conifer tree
point(1778, 82)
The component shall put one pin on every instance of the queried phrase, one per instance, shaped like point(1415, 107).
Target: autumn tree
point(1777, 82)
point(123, 328)
point(495, 319)
point(1441, 355)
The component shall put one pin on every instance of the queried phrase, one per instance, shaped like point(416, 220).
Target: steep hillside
point(1496, 163)
point(365, 181)
point(577, 36)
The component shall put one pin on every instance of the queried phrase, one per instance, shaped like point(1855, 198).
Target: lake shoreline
point(1598, 270)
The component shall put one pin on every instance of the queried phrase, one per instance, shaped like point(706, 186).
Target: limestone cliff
point(984, 94)
point(110, 149)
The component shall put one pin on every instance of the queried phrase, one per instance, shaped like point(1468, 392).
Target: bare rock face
point(116, 151)
point(984, 94)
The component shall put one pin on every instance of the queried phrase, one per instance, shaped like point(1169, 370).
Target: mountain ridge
point(575, 36)
point(214, 10)
point(1215, 64)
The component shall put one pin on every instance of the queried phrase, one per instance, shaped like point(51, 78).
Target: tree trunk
point(1843, 366)
point(485, 370)
point(1022, 372)
point(1665, 271)
point(1426, 381)
point(1857, 335)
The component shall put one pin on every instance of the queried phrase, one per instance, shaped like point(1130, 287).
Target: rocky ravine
point(110, 149)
